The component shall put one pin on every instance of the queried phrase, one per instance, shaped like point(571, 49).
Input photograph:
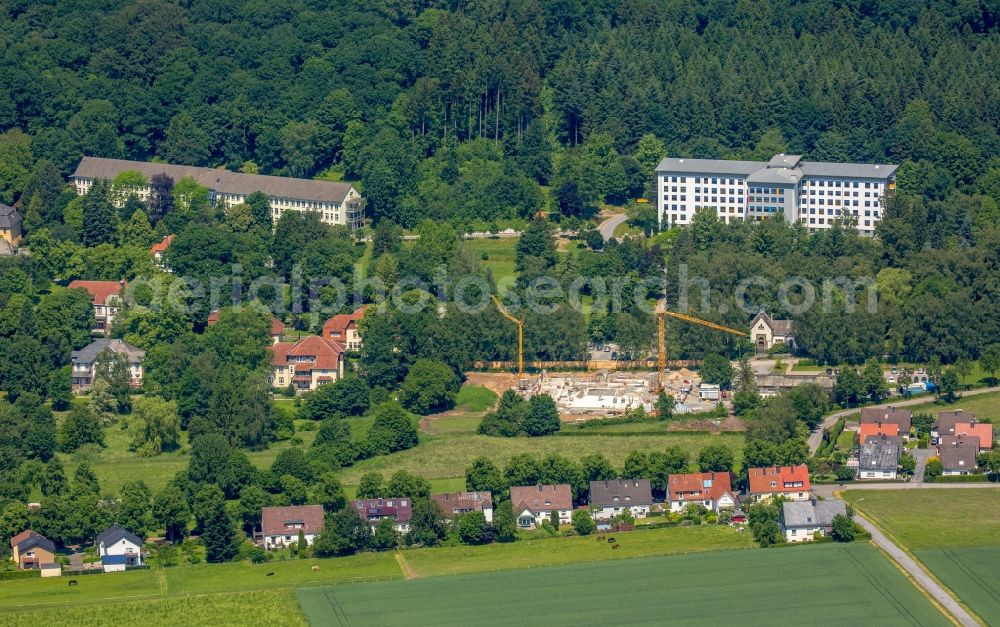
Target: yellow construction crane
point(520, 339)
point(661, 336)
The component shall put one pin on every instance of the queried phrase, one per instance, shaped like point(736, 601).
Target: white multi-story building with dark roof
point(811, 193)
point(336, 203)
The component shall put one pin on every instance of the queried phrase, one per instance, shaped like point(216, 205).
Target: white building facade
point(336, 203)
point(813, 194)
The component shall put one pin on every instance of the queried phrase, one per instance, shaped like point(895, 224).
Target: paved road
point(816, 437)
point(607, 228)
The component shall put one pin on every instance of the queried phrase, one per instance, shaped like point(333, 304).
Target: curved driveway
point(607, 228)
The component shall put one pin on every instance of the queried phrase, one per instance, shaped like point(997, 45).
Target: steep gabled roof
point(88, 354)
point(114, 533)
point(541, 498)
point(895, 415)
point(10, 218)
point(274, 521)
point(946, 420)
point(811, 514)
point(162, 245)
point(100, 291)
point(619, 492)
point(880, 453)
point(36, 540)
point(981, 430)
point(452, 502)
point(779, 479)
point(337, 325)
point(958, 453)
point(869, 429)
point(399, 509)
point(699, 485)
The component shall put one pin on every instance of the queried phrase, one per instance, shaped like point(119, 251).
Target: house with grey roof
point(766, 331)
point(334, 202)
point(802, 521)
point(85, 361)
point(889, 415)
point(119, 545)
point(958, 454)
point(879, 457)
point(10, 225)
point(816, 195)
point(613, 496)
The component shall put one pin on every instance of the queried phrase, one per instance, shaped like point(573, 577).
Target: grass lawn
point(984, 406)
point(185, 581)
point(825, 584)
point(441, 456)
point(460, 423)
point(272, 607)
point(562, 551)
point(953, 532)
point(845, 441)
point(500, 252)
point(473, 398)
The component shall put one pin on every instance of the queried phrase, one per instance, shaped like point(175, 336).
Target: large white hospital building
point(811, 193)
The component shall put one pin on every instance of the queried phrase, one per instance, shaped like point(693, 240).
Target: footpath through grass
point(271, 607)
point(825, 584)
point(954, 533)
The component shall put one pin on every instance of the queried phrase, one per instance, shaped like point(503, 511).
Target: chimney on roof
point(539, 487)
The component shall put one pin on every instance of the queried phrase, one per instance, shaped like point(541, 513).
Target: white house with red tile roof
point(712, 490)
point(307, 363)
point(534, 504)
point(343, 328)
point(107, 300)
point(157, 250)
point(791, 482)
point(280, 526)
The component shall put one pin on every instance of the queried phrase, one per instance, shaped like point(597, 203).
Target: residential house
point(871, 429)
point(10, 225)
point(30, 550)
point(613, 496)
point(879, 457)
point(712, 490)
point(280, 526)
point(889, 415)
point(306, 364)
point(343, 329)
point(983, 431)
point(399, 510)
point(766, 332)
point(120, 543)
point(277, 326)
point(334, 203)
point(946, 421)
point(454, 504)
point(958, 454)
point(534, 504)
point(802, 521)
point(791, 482)
point(157, 250)
point(85, 361)
point(107, 300)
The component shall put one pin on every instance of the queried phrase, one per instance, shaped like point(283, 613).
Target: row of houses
point(117, 548)
point(884, 431)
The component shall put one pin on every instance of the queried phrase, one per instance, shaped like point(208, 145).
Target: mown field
point(984, 406)
point(954, 533)
point(825, 584)
point(272, 607)
point(186, 581)
point(537, 553)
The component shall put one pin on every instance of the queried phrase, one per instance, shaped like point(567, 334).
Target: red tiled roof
point(372, 510)
point(279, 350)
point(337, 326)
point(901, 417)
point(541, 498)
point(161, 246)
point(697, 486)
point(99, 290)
point(981, 430)
point(784, 479)
point(946, 420)
point(21, 537)
point(869, 429)
point(274, 520)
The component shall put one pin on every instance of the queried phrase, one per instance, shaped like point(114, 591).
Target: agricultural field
point(551, 552)
point(499, 254)
point(272, 607)
point(953, 532)
point(825, 584)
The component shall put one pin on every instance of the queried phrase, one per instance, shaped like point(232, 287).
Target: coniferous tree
point(100, 220)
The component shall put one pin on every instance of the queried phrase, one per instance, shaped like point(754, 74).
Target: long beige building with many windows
point(811, 193)
point(337, 203)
